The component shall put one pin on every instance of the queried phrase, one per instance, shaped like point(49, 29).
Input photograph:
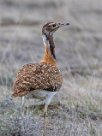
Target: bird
point(41, 80)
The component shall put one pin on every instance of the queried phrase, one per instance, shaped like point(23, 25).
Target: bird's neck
point(49, 53)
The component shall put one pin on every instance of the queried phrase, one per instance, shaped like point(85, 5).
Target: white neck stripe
point(45, 41)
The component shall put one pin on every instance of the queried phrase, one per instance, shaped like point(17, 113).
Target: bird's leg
point(45, 110)
point(59, 101)
point(45, 120)
point(59, 98)
point(23, 112)
point(22, 101)
point(48, 101)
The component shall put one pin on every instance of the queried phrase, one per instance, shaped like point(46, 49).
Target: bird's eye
point(54, 25)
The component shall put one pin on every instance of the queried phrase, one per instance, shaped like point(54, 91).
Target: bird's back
point(39, 76)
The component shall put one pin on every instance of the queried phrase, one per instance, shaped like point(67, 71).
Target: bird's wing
point(36, 76)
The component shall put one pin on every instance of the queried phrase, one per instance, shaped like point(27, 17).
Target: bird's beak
point(63, 24)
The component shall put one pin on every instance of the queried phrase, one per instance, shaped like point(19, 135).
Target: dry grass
point(79, 52)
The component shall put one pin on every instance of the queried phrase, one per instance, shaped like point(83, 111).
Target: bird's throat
point(49, 53)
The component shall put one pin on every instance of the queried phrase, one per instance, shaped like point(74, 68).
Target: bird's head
point(50, 27)
point(47, 34)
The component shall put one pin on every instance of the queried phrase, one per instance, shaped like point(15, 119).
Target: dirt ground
point(79, 56)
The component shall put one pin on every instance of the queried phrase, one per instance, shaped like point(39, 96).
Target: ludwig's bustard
point(42, 80)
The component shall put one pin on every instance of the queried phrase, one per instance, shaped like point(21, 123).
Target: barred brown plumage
point(40, 76)
point(41, 80)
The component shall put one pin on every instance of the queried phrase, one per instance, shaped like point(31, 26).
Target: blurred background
point(78, 52)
